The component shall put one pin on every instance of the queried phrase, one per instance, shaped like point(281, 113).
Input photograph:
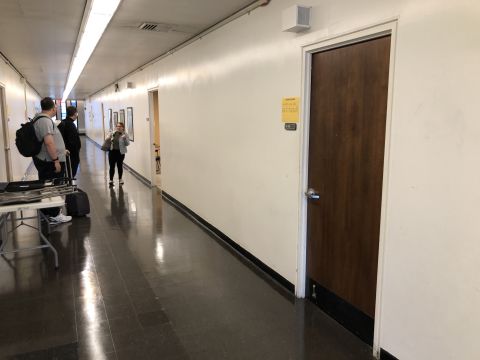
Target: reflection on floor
point(138, 280)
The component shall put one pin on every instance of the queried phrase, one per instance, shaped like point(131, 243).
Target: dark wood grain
point(346, 153)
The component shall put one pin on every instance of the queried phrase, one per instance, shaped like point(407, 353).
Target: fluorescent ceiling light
point(100, 14)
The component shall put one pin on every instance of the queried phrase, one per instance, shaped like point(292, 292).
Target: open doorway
point(5, 160)
point(155, 138)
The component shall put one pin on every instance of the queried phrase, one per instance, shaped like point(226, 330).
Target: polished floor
point(138, 280)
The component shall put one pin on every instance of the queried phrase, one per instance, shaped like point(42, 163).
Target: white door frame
point(351, 37)
point(6, 134)
point(153, 171)
point(102, 104)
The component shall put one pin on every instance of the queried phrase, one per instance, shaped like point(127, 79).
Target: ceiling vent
point(148, 26)
point(158, 27)
point(162, 27)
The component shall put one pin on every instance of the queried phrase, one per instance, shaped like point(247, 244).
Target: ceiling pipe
point(240, 13)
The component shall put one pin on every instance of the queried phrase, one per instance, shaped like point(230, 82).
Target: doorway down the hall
point(155, 136)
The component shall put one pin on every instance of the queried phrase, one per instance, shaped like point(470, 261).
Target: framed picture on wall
point(109, 119)
point(129, 127)
point(122, 117)
point(115, 119)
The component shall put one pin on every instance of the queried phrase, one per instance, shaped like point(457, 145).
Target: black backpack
point(26, 139)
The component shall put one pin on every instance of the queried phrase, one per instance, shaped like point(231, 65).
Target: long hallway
point(139, 280)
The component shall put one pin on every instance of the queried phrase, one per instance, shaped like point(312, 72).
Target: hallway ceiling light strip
point(101, 12)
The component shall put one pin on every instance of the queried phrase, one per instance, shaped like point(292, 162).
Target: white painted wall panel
point(19, 104)
point(81, 116)
point(432, 248)
point(3, 160)
point(226, 156)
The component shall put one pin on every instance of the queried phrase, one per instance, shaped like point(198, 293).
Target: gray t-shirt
point(44, 126)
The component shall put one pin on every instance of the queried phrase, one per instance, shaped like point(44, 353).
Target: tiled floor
point(138, 280)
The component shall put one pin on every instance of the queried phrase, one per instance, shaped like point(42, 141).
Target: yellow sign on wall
point(290, 109)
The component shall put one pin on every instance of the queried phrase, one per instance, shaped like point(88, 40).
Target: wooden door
point(349, 89)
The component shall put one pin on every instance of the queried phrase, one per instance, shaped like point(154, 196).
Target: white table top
point(56, 201)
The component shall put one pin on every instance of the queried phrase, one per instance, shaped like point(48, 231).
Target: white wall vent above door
point(296, 18)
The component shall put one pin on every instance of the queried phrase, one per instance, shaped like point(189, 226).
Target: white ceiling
point(39, 37)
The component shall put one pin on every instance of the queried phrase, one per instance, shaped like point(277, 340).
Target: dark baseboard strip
point(385, 355)
point(133, 172)
point(137, 175)
point(93, 141)
point(272, 274)
point(350, 317)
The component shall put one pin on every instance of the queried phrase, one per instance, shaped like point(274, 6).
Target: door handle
point(312, 194)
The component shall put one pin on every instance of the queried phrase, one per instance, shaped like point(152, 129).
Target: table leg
point(4, 230)
point(44, 238)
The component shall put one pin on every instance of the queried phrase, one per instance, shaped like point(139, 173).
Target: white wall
point(81, 116)
point(226, 156)
point(432, 283)
point(21, 101)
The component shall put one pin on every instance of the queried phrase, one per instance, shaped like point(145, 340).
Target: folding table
point(7, 211)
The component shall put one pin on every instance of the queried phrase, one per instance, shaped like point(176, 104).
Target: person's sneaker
point(60, 218)
point(110, 183)
point(120, 181)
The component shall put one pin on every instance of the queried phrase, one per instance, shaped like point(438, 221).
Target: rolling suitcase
point(77, 203)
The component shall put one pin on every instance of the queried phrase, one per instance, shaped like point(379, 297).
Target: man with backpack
point(50, 161)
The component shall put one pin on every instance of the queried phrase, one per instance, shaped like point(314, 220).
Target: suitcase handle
point(69, 170)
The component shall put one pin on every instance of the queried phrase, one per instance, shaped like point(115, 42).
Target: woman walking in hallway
point(118, 149)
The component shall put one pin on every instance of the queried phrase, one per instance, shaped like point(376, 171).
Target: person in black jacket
point(71, 137)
